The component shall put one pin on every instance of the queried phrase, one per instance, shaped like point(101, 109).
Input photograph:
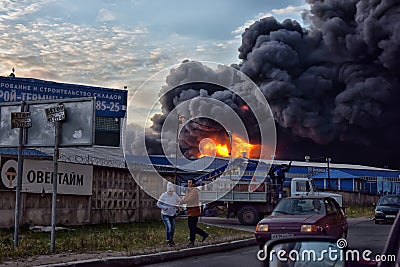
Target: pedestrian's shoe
point(171, 243)
point(190, 244)
point(205, 237)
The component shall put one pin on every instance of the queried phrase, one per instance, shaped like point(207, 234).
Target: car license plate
point(390, 216)
point(275, 236)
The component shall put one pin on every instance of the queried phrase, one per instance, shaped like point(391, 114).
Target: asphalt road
point(367, 235)
point(363, 234)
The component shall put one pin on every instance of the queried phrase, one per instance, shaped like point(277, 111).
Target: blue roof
point(334, 174)
point(183, 163)
point(25, 152)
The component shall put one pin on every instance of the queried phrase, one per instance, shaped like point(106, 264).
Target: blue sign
point(109, 102)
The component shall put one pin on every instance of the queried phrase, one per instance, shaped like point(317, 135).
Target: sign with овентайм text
point(37, 177)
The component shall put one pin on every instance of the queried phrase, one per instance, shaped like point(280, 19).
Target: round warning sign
point(9, 173)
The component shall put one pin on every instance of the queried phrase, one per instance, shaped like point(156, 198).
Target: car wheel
point(248, 215)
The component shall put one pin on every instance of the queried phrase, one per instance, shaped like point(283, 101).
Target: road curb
point(354, 221)
point(159, 257)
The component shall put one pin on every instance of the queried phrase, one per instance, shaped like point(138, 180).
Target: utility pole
point(328, 160)
point(229, 133)
point(178, 121)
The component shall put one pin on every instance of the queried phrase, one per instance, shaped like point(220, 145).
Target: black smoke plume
point(333, 87)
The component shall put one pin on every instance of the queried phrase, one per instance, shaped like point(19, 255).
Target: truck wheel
point(248, 215)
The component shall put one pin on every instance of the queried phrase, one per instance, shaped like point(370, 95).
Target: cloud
point(200, 48)
point(99, 55)
point(73, 53)
point(107, 44)
point(10, 10)
point(106, 16)
point(221, 45)
point(288, 11)
point(155, 54)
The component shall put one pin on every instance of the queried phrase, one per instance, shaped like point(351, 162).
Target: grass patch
point(133, 238)
point(355, 211)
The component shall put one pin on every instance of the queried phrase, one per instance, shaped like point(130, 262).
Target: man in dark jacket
point(191, 199)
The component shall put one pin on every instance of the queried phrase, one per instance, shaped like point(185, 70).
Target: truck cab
point(306, 187)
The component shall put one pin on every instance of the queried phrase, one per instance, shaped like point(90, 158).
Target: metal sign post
point(19, 120)
point(35, 133)
point(55, 115)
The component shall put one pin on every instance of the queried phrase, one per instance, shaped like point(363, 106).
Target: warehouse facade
point(94, 184)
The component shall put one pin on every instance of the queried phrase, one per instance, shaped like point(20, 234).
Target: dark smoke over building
point(333, 88)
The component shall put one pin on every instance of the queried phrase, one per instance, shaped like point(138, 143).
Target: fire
point(239, 146)
point(211, 147)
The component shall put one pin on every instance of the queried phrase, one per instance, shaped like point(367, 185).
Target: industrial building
point(342, 177)
point(95, 185)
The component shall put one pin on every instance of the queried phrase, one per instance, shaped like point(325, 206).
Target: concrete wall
point(116, 198)
point(356, 198)
point(36, 209)
point(7, 204)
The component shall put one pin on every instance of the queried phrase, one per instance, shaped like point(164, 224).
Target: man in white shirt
point(168, 203)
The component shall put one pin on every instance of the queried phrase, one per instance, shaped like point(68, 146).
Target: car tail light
point(262, 228)
point(308, 228)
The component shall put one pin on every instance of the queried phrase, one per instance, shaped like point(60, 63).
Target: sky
point(328, 95)
point(122, 43)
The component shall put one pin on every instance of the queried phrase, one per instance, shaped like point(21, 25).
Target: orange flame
point(211, 147)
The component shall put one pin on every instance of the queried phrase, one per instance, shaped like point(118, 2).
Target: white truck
point(306, 187)
point(251, 205)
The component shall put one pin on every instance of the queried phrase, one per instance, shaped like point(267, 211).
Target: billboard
point(109, 102)
point(77, 129)
point(37, 177)
point(8, 135)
